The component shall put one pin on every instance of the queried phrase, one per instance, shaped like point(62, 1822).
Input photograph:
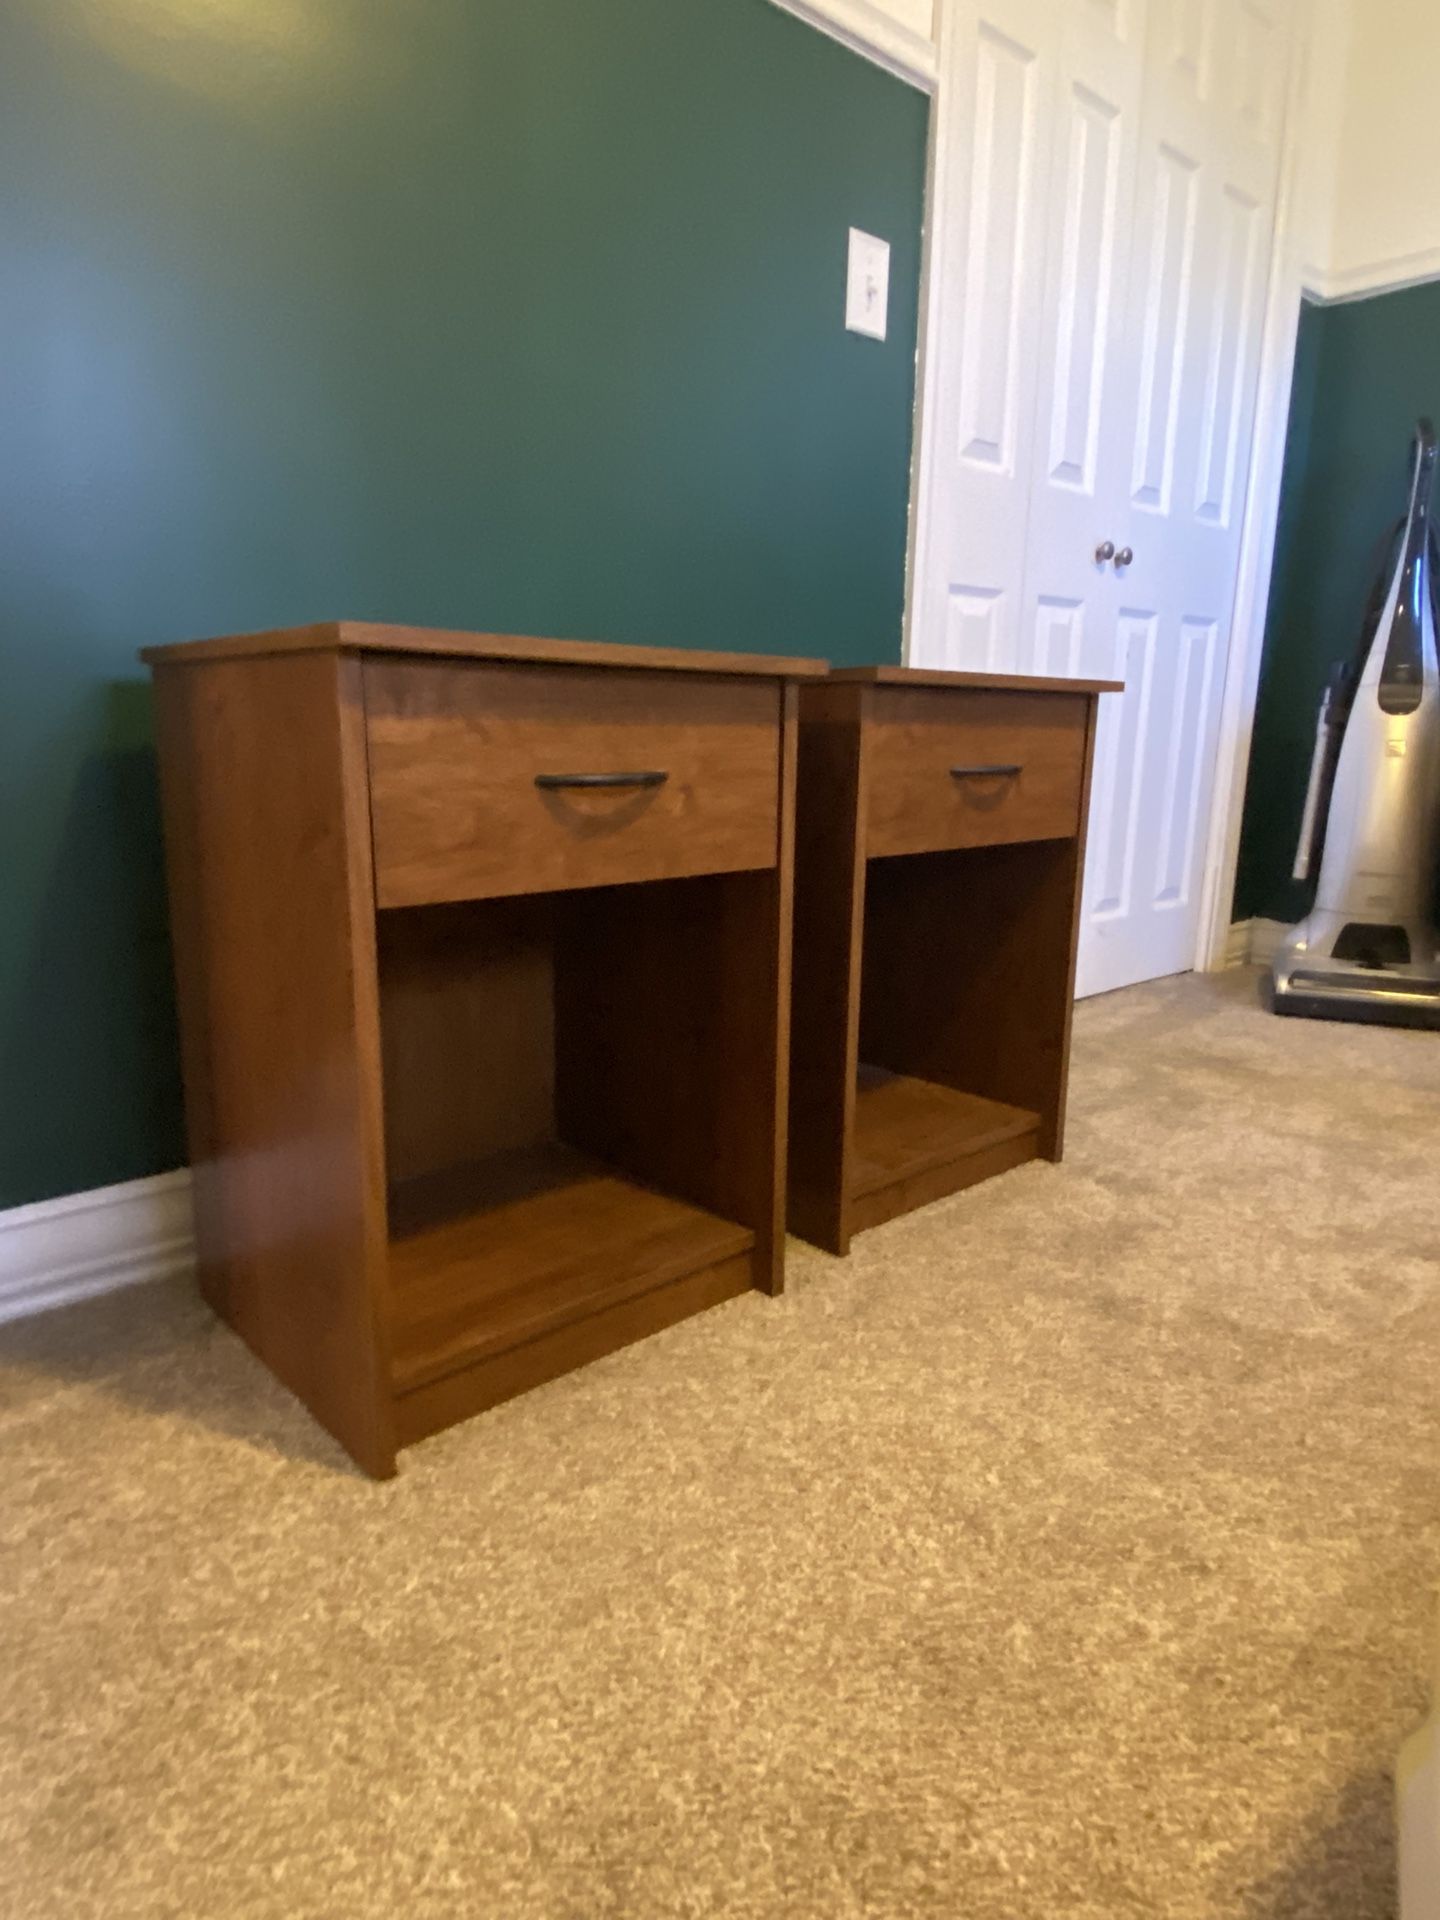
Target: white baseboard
point(1254, 943)
point(56, 1251)
point(1237, 944)
point(1265, 938)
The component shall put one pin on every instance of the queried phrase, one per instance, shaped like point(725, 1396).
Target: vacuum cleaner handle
point(1315, 795)
point(1339, 694)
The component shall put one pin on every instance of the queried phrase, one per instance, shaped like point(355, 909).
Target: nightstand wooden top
point(942, 677)
point(363, 636)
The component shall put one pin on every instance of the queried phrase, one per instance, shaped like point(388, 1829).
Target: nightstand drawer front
point(492, 780)
point(971, 769)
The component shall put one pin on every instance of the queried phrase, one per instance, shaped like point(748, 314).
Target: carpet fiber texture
point(1068, 1551)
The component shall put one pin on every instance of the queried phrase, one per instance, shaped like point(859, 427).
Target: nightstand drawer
point(971, 769)
point(516, 779)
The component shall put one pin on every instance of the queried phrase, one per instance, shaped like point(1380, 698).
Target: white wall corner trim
point(871, 27)
point(1254, 943)
point(55, 1251)
point(1329, 285)
point(1265, 938)
point(1237, 947)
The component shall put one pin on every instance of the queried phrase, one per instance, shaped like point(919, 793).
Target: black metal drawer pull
point(977, 773)
point(551, 780)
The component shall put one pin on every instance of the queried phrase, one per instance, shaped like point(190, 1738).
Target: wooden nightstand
point(940, 847)
point(483, 957)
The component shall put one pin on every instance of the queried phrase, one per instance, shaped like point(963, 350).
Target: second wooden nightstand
point(940, 848)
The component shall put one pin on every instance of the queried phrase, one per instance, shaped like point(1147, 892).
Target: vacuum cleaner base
point(1371, 1004)
point(1316, 985)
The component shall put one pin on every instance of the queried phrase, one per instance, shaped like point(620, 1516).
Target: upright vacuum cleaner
point(1369, 949)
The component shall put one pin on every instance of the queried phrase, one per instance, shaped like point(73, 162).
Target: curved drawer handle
point(554, 780)
point(1006, 768)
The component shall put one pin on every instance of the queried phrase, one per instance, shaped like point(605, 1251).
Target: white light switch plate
point(867, 284)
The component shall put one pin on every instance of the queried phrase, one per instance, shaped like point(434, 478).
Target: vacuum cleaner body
point(1369, 949)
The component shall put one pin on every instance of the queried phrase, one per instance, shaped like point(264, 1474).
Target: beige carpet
point(1071, 1550)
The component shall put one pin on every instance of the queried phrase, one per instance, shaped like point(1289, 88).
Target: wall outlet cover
point(867, 285)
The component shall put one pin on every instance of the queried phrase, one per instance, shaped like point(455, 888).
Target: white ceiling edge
point(867, 29)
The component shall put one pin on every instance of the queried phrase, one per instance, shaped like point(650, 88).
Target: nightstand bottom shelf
point(915, 1142)
point(511, 1271)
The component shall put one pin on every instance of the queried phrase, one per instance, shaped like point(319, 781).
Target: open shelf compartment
point(905, 1126)
point(962, 1021)
point(566, 1111)
point(486, 1257)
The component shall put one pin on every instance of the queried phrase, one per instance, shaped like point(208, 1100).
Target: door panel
point(1059, 638)
point(1185, 31)
point(1182, 763)
point(1081, 344)
point(1007, 84)
point(1258, 72)
point(1170, 196)
point(1116, 793)
point(1204, 210)
point(1112, 168)
point(1078, 494)
point(1112, 16)
point(1075, 478)
point(968, 583)
point(974, 621)
point(1231, 326)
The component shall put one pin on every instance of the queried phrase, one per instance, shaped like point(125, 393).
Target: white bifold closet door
point(1110, 170)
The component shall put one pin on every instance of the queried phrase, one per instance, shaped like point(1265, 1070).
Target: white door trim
point(1258, 529)
point(929, 333)
point(868, 29)
point(1257, 540)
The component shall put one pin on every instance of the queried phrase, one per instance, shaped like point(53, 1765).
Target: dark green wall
point(1365, 370)
point(521, 314)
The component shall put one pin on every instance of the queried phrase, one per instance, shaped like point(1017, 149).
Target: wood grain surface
point(455, 751)
point(363, 636)
point(950, 971)
point(268, 854)
point(530, 1242)
point(919, 736)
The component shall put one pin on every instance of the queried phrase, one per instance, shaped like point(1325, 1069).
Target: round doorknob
point(1124, 556)
point(1105, 551)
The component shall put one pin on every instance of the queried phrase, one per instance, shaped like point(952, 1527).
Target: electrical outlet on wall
point(867, 285)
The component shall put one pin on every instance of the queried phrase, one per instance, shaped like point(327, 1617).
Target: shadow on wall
point(118, 1100)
